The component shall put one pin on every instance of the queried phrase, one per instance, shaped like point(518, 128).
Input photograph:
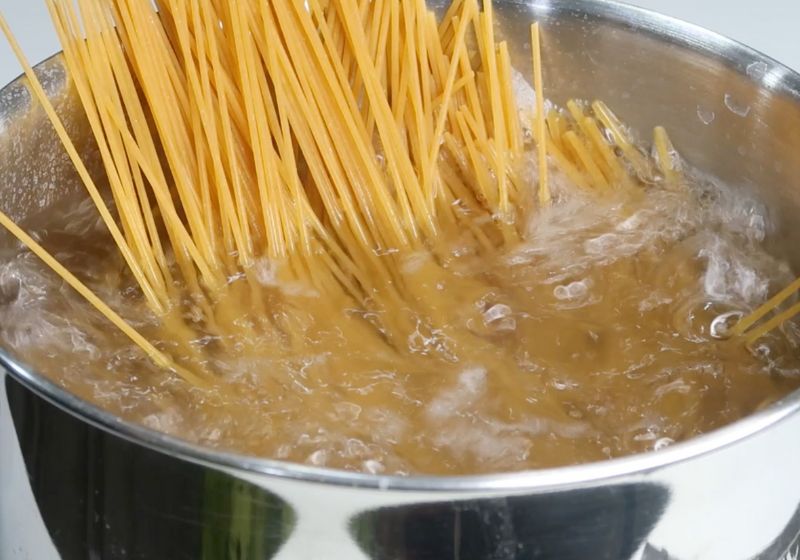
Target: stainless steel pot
point(76, 482)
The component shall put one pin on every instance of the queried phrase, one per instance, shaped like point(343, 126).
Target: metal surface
point(78, 483)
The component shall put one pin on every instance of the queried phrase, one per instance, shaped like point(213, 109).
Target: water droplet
point(705, 115)
point(735, 107)
point(757, 70)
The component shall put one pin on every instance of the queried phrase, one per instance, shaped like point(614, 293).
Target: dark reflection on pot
point(105, 498)
point(787, 545)
point(608, 523)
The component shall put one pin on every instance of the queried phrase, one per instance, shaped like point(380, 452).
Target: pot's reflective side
point(100, 496)
point(604, 522)
point(91, 494)
point(76, 484)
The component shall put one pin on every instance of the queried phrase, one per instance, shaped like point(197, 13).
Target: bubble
point(662, 443)
point(653, 301)
point(213, 435)
point(318, 458)
point(496, 312)
point(736, 107)
point(356, 448)
point(562, 384)
point(346, 411)
point(649, 434)
point(705, 115)
point(373, 467)
point(266, 272)
point(722, 324)
point(757, 69)
point(575, 290)
point(414, 262)
point(470, 386)
point(730, 276)
point(633, 222)
point(601, 244)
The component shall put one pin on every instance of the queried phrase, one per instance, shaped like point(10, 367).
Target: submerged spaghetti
point(357, 246)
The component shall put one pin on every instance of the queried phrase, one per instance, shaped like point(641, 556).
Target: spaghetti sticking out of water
point(347, 234)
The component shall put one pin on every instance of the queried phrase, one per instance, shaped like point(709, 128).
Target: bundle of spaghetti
point(337, 145)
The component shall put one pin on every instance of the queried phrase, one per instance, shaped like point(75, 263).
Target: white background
point(767, 25)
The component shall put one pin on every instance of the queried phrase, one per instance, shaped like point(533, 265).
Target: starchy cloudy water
point(596, 337)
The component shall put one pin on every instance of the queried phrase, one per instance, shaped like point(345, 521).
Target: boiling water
point(593, 338)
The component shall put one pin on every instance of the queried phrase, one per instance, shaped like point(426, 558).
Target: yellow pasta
point(333, 138)
point(541, 135)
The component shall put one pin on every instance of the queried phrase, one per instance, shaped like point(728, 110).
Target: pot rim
point(779, 78)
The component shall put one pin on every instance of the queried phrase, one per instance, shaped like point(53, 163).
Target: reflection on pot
point(101, 496)
point(600, 523)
